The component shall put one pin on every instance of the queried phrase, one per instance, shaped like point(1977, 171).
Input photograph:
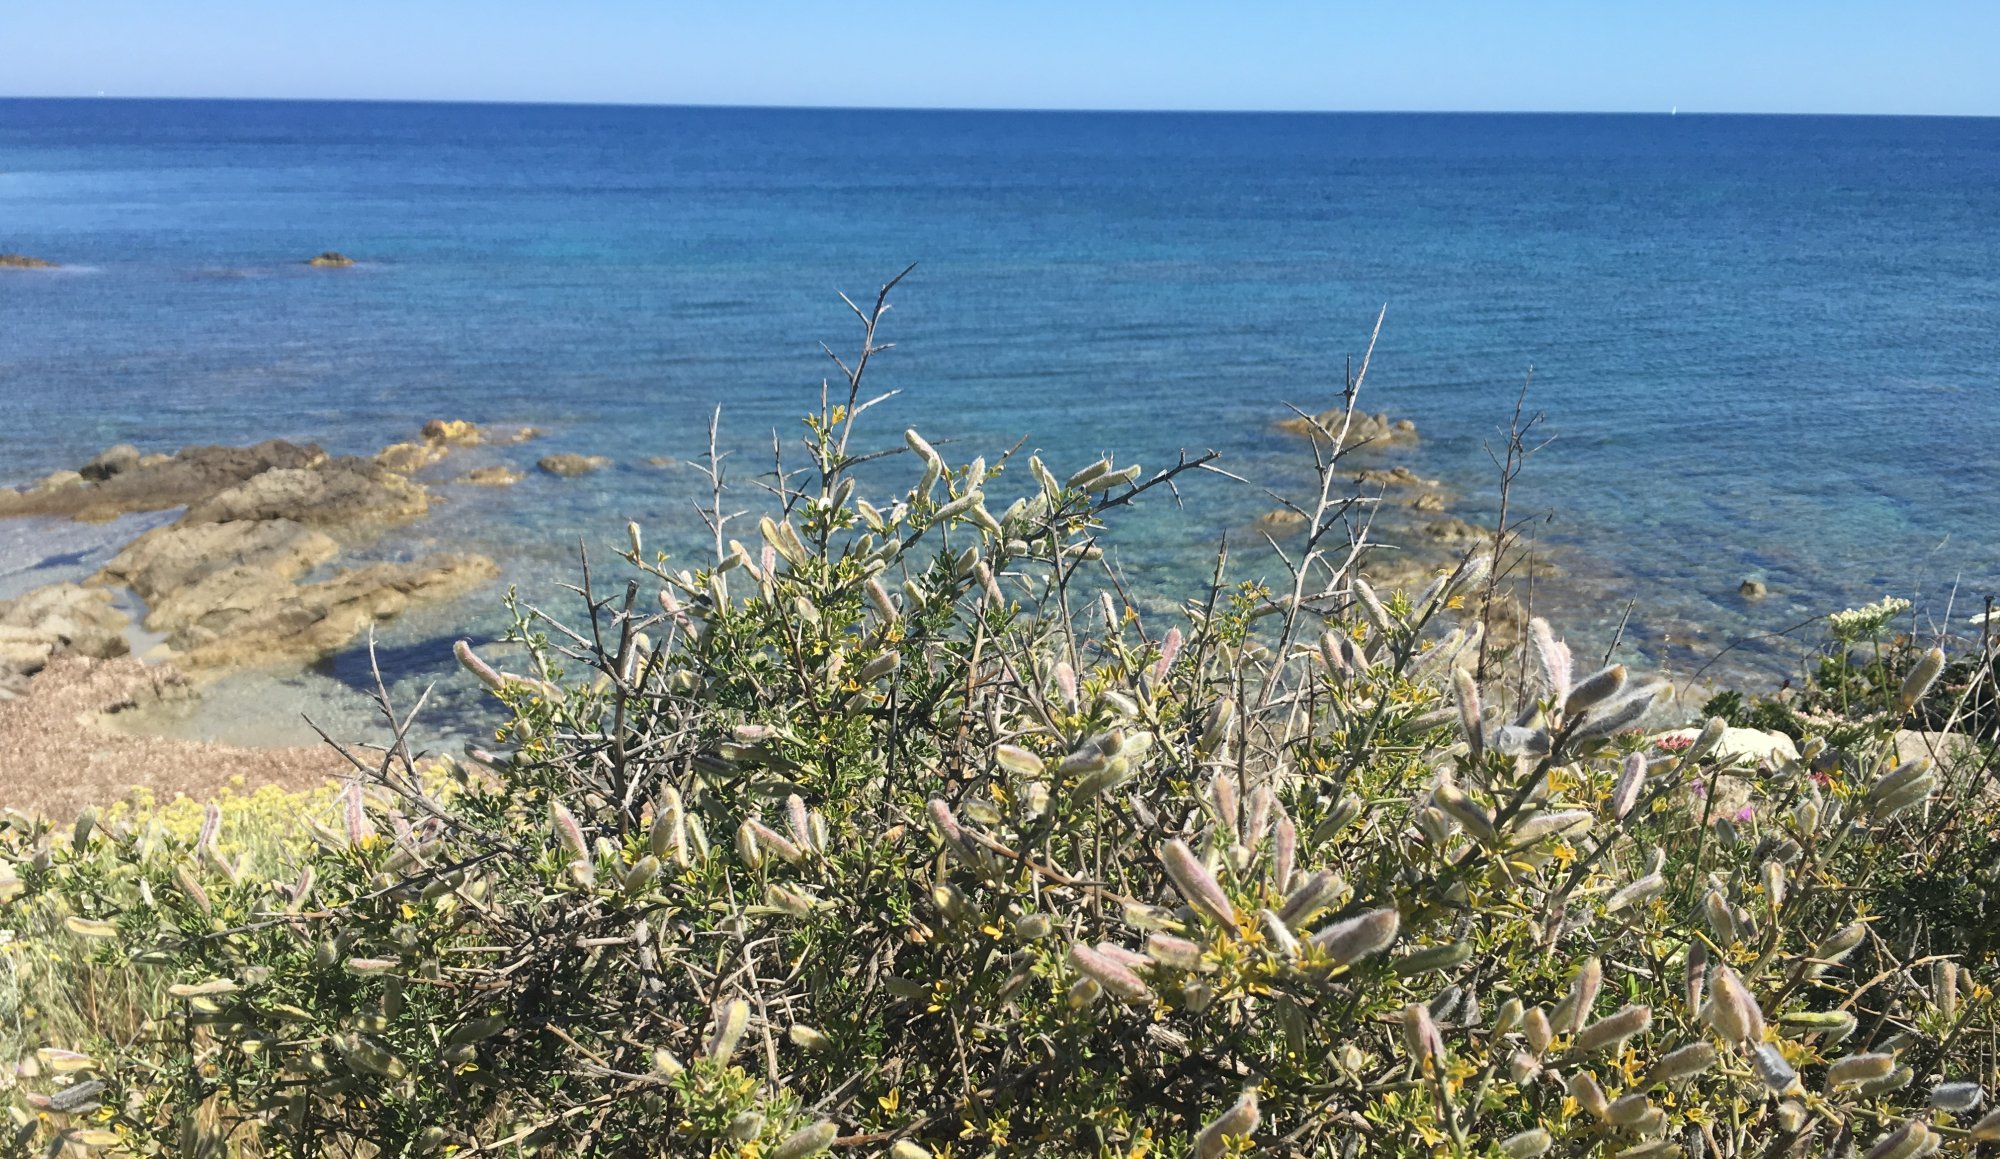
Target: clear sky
point(1834, 56)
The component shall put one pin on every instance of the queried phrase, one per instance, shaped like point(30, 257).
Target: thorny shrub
point(893, 832)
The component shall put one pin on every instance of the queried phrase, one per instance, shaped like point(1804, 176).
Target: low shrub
point(896, 831)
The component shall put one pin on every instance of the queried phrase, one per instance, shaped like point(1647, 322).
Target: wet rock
point(1456, 532)
point(155, 483)
point(231, 620)
point(112, 461)
point(331, 259)
point(663, 462)
point(344, 492)
point(1282, 521)
point(59, 481)
point(569, 466)
point(1752, 589)
point(1398, 476)
point(24, 262)
point(409, 458)
point(1429, 501)
point(454, 432)
point(167, 559)
point(490, 477)
point(1372, 429)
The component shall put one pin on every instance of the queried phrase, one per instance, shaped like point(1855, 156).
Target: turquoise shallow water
point(1765, 346)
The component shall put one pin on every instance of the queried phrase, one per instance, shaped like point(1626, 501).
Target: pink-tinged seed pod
point(1309, 897)
point(1117, 979)
point(185, 879)
point(1626, 1111)
point(732, 1018)
point(1130, 959)
point(1371, 607)
point(1421, 1037)
point(1523, 1068)
point(1921, 677)
point(1856, 1069)
point(1222, 793)
point(1284, 848)
point(1555, 658)
point(211, 824)
point(1195, 883)
point(1280, 937)
point(1469, 723)
point(795, 819)
point(1356, 938)
point(1574, 1010)
point(771, 839)
point(1721, 922)
point(1170, 647)
point(1613, 1030)
point(949, 830)
point(746, 846)
point(1588, 1095)
point(1333, 656)
point(567, 830)
point(1239, 1121)
point(1695, 977)
point(1568, 823)
point(1535, 1027)
point(1177, 953)
point(483, 672)
point(879, 599)
point(1731, 1009)
point(1680, 1065)
point(359, 828)
point(1016, 759)
point(1594, 689)
point(1631, 782)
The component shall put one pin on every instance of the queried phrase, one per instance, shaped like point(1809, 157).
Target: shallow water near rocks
point(1767, 346)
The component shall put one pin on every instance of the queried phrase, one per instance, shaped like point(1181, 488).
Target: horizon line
point(1671, 111)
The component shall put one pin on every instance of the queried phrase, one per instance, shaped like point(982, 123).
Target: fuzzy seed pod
point(1284, 848)
point(211, 825)
point(567, 830)
point(1731, 1010)
point(1467, 812)
point(813, 1140)
point(1197, 886)
point(1435, 958)
point(1613, 1030)
point(1016, 759)
point(1083, 993)
point(1467, 699)
point(904, 1149)
point(1177, 953)
point(1235, 1123)
point(1898, 779)
point(1721, 921)
point(1987, 1129)
point(1523, 1068)
point(1628, 1110)
point(1358, 937)
point(1680, 1065)
point(642, 875)
point(1526, 1144)
point(1832, 1026)
point(1922, 675)
point(1694, 980)
point(1791, 1117)
point(1033, 927)
point(1534, 827)
point(1772, 1067)
point(1584, 1089)
point(770, 839)
point(1622, 713)
point(732, 1018)
point(1856, 1069)
point(745, 1127)
point(668, 836)
point(359, 828)
point(1905, 1142)
point(1257, 817)
point(1841, 944)
point(1371, 607)
point(1420, 1036)
point(746, 846)
point(1117, 979)
point(1594, 689)
point(879, 667)
point(470, 661)
point(1574, 1010)
point(1644, 889)
point(1535, 1027)
point(1507, 1017)
point(1631, 783)
point(191, 887)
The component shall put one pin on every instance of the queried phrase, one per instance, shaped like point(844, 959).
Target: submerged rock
point(1752, 589)
point(408, 458)
point(1397, 476)
point(331, 259)
point(490, 477)
point(24, 262)
point(1373, 429)
point(569, 466)
point(1282, 521)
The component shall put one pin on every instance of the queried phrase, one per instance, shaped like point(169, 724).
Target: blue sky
point(1839, 56)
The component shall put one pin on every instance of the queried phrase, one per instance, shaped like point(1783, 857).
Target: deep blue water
point(1766, 346)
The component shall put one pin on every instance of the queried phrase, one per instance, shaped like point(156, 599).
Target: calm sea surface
point(1766, 346)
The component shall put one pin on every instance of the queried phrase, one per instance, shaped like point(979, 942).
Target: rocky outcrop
point(168, 559)
point(1397, 476)
point(24, 262)
point(152, 483)
point(1282, 521)
point(569, 466)
point(242, 617)
point(345, 492)
point(331, 259)
point(1372, 429)
point(56, 620)
point(490, 477)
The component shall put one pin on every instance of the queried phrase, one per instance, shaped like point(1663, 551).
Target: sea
point(1750, 347)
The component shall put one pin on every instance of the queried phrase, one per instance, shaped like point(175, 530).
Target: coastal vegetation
point(891, 826)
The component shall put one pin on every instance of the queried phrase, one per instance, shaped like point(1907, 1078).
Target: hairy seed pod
point(1921, 676)
point(1588, 1095)
point(1631, 782)
point(185, 879)
point(1535, 1026)
point(1694, 978)
point(1534, 827)
point(1177, 953)
point(1791, 1117)
point(1083, 993)
point(567, 830)
point(1841, 944)
point(1435, 958)
point(746, 846)
point(1467, 699)
point(1682, 1064)
point(1420, 1036)
point(1613, 1030)
point(1905, 1142)
point(879, 667)
point(904, 1149)
point(1573, 1011)
point(1371, 607)
point(1118, 980)
point(1626, 711)
point(1856, 1069)
point(1897, 779)
point(1554, 656)
point(1594, 689)
point(1239, 1121)
point(1629, 1110)
point(1197, 886)
point(746, 1126)
point(1644, 889)
point(483, 672)
point(813, 1140)
point(1467, 812)
point(1033, 927)
point(1771, 1066)
point(1526, 1144)
point(1987, 1129)
point(1507, 1017)
point(1016, 759)
point(1523, 1068)
point(1721, 921)
point(777, 843)
point(1907, 797)
point(1773, 873)
point(1360, 936)
point(732, 1018)
point(1731, 1010)
point(1219, 719)
point(1833, 1026)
